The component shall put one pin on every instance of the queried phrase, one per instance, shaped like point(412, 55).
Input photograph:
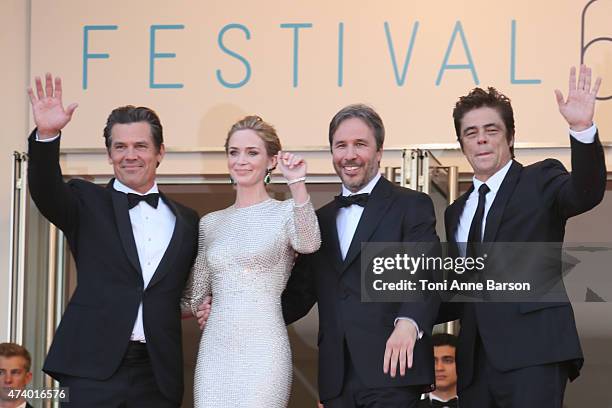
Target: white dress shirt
point(152, 229)
point(433, 397)
point(347, 220)
point(465, 221)
point(494, 183)
point(47, 140)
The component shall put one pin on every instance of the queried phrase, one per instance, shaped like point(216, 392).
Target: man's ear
point(160, 154)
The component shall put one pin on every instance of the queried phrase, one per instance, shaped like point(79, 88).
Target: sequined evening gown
point(244, 259)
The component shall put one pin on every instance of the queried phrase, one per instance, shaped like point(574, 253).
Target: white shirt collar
point(366, 189)
point(436, 398)
point(495, 181)
point(119, 186)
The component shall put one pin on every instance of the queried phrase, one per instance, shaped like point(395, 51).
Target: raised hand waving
point(49, 113)
point(579, 108)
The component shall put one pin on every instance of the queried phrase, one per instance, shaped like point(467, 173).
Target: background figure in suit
point(520, 354)
point(119, 341)
point(15, 375)
point(445, 394)
point(361, 345)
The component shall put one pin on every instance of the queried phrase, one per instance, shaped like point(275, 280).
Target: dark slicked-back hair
point(491, 98)
point(15, 350)
point(444, 339)
point(133, 114)
point(363, 112)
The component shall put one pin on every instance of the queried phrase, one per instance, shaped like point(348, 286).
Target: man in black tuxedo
point(15, 375)
point(445, 394)
point(119, 341)
point(513, 355)
point(361, 344)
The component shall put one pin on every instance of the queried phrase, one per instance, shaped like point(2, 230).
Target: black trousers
point(132, 386)
point(540, 386)
point(356, 395)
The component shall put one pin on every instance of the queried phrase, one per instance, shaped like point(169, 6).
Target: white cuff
point(47, 140)
point(419, 332)
point(585, 136)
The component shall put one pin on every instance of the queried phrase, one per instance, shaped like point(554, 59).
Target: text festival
point(399, 59)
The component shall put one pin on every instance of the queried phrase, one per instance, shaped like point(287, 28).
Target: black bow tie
point(151, 199)
point(347, 201)
point(451, 403)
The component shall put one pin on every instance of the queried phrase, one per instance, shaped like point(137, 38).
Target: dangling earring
point(231, 180)
point(267, 177)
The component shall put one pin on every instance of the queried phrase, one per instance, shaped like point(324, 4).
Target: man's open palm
point(49, 113)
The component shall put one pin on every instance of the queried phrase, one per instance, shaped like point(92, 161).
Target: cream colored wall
point(547, 42)
point(14, 42)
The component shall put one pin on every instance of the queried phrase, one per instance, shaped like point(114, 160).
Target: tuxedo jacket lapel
point(502, 197)
point(375, 209)
point(124, 225)
point(173, 246)
point(454, 214)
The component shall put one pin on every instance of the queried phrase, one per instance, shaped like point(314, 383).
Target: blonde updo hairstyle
point(264, 130)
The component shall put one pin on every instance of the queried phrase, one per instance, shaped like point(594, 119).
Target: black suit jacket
point(532, 205)
point(97, 324)
point(424, 403)
point(392, 214)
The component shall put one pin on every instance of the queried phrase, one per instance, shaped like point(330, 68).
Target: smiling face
point(484, 141)
point(134, 156)
point(355, 156)
point(247, 158)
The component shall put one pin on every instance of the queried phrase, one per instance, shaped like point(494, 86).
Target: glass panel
point(593, 319)
point(439, 193)
point(29, 278)
point(36, 300)
point(440, 183)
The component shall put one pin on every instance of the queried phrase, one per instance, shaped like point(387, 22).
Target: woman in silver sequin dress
point(245, 256)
